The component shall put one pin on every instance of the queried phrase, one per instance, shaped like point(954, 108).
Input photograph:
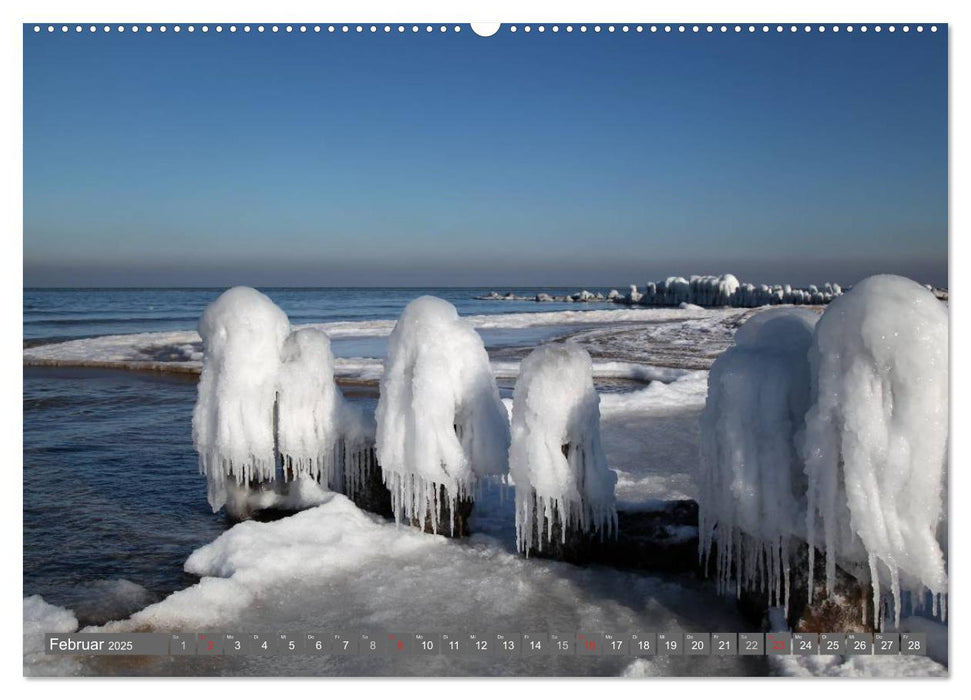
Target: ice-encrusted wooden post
point(270, 421)
point(441, 426)
point(828, 440)
point(233, 421)
point(875, 443)
point(751, 482)
point(564, 488)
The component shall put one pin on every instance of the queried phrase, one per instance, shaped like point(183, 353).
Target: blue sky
point(451, 159)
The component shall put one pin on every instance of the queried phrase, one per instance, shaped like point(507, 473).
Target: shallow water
point(111, 489)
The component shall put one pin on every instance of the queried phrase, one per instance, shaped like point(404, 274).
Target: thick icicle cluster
point(724, 290)
point(875, 444)
point(243, 333)
point(440, 422)
point(753, 486)
point(556, 459)
point(267, 396)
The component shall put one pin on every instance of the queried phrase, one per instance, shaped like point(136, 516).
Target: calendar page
point(544, 348)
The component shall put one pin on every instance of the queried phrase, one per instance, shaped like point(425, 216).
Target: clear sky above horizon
point(452, 159)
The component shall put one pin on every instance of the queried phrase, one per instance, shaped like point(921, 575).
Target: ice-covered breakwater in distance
point(699, 290)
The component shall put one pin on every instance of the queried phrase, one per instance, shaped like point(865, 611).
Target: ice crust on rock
point(875, 445)
point(752, 483)
point(440, 423)
point(556, 459)
point(243, 333)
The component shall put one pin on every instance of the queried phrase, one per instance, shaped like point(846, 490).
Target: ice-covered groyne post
point(270, 423)
point(441, 426)
point(319, 434)
point(752, 499)
point(243, 333)
point(564, 488)
point(875, 445)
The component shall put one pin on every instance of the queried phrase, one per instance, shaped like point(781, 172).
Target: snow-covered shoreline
point(181, 351)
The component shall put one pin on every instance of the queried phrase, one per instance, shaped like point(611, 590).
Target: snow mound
point(752, 486)
point(40, 617)
point(96, 602)
point(875, 445)
point(440, 423)
point(837, 666)
point(556, 459)
point(232, 425)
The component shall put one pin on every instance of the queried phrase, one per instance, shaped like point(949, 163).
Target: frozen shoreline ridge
point(698, 291)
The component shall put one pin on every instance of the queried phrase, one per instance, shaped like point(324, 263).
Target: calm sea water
point(111, 487)
point(58, 314)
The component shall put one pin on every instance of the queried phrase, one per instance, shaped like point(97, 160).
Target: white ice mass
point(440, 423)
point(556, 459)
point(752, 483)
point(875, 445)
point(232, 425)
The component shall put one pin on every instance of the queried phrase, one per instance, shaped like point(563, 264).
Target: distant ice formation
point(556, 459)
point(698, 290)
